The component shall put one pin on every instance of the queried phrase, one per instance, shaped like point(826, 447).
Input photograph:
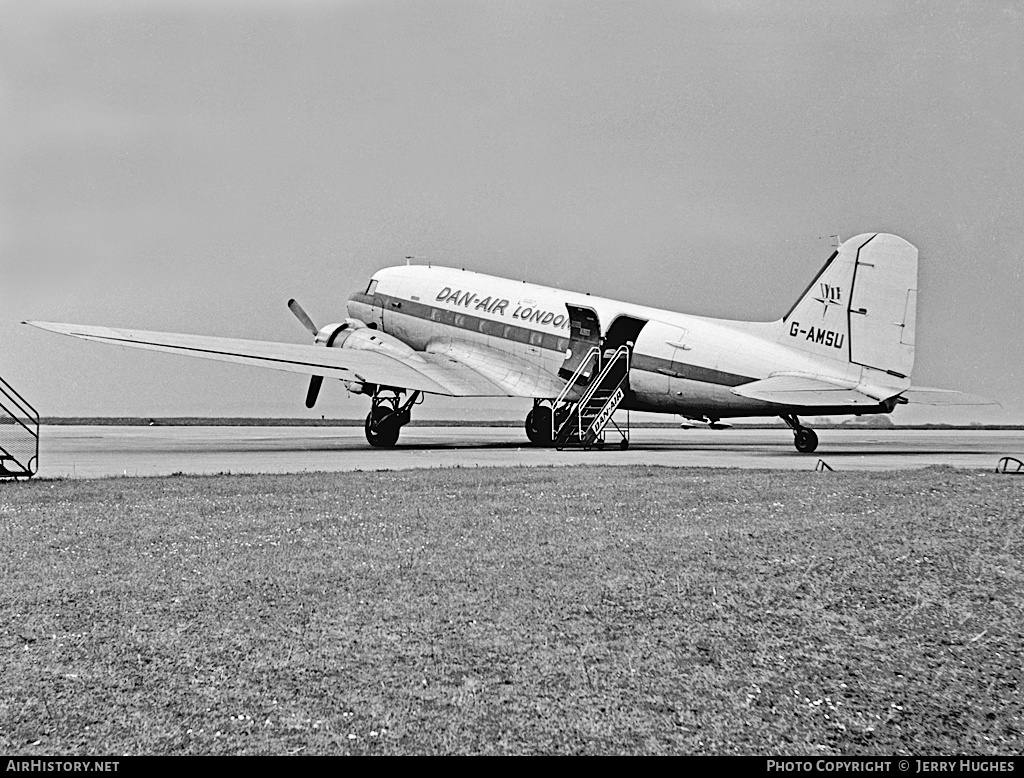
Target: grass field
point(514, 611)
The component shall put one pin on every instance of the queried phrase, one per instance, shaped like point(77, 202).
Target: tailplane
point(861, 307)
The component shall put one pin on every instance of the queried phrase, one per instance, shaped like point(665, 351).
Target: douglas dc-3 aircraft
point(845, 347)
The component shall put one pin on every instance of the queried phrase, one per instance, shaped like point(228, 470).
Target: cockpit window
point(372, 287)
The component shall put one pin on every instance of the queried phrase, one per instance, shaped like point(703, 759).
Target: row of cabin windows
point(499, 330)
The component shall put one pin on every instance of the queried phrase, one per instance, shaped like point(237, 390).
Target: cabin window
point(555, 343)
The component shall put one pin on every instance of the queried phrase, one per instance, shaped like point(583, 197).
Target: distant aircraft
point(845, 347)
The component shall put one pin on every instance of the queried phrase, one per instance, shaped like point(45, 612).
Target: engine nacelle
point(354, 334)
point(363, 338)
point(329, 336)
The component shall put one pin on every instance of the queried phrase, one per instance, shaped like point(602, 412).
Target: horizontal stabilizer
point(924, 395)
point(804, 390)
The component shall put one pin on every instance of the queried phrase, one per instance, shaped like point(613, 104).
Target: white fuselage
point(681, 363)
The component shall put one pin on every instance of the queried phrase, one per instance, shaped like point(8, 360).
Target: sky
point(190, 166)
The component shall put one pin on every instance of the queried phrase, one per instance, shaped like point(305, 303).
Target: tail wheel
point(805, 440)
point(382, 427)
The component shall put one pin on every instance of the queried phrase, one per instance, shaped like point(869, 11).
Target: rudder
point(883, 309)
point(861, 307)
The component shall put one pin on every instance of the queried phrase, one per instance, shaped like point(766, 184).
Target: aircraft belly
point(692, 396)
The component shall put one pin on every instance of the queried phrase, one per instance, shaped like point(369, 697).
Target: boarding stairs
point(582, 423)
point(19, 435)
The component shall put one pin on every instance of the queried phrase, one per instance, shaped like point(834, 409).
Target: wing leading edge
point(419, 371)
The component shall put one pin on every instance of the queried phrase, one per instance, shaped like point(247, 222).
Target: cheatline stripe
point(704, 375)
point(550, 342)
point(466, 321)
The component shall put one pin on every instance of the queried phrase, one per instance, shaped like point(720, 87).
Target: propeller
point(302, 316)
point(315, 382)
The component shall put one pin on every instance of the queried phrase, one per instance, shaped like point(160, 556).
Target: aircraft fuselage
point(681, 363)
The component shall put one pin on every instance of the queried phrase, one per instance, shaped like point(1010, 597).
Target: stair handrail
point(595, 384)
point(573, 380)
point(621, 352)
point(18, 400)
point(16, 417)
point(24, 414)
point(593, 352)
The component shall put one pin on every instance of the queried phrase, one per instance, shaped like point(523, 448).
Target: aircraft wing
point(419, 371)
point(804, 390)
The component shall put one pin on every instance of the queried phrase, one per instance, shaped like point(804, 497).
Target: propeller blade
point(300, 314)
point(315, 382)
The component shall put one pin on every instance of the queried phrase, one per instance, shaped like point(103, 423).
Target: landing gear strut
point(388, 414)
point(804, 438)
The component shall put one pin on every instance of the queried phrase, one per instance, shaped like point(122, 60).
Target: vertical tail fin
point(861, 307)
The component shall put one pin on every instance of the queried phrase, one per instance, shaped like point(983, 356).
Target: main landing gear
point(804, 438)
point(388, 414)
point(539, 428)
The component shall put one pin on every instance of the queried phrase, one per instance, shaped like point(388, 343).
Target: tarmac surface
point(102, 451)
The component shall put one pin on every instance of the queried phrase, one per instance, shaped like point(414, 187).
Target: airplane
point(846, 346)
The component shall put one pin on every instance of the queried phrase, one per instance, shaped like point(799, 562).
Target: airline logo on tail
point(830, 295)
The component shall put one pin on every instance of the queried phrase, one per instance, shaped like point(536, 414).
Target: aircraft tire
point(382, 428)
point(538, 426)
point(805, 440)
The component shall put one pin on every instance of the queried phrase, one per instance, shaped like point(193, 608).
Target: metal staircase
point(583, 422)
point(19, 435)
